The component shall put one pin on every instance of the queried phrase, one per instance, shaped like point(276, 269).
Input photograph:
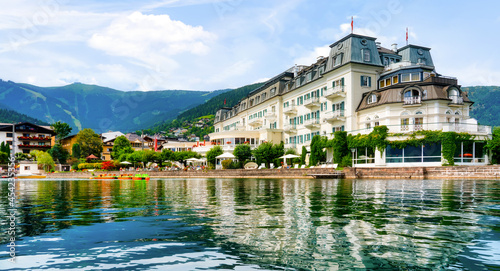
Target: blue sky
point(211, 44)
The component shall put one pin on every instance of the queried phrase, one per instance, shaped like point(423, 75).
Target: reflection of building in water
point(346, 224)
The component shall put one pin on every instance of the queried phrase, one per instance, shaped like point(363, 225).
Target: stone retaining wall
point(487, 172)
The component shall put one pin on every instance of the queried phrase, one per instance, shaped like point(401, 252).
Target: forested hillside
point(11, 116)
point(486, 108)
point(99, 108)
point(209, 108)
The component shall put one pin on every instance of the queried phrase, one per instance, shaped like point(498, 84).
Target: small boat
point(29, 176)
point(125, 177)
point(141, 177)
point(104, 177)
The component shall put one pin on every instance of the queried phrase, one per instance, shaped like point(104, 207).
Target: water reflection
point(250, 224)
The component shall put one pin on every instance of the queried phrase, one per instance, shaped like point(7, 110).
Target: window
point(337, 60)
point(9, 134)
point(395, 79)
point(387, 82)
point(421, 61)
point(251, 102)
point(405, 77)
point(372, 98)
point(257, 99)
point(415, 76)
point(404, 124)
point(264, 96)
point(412, 96)
point(365, 54)
point(424, 94)
point(377, 123)
point(338, 83)
point(309, 76)
point(381, 83)
point(366, 81)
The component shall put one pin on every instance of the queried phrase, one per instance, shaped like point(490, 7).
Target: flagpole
point(352, 24)
point(407, 36)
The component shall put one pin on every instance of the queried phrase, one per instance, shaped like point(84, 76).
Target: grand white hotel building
point(359, 85)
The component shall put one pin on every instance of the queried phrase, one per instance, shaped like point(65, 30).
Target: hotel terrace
point(358, 86)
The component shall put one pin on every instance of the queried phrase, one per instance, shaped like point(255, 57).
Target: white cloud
point(146, 37)
point(311, 57)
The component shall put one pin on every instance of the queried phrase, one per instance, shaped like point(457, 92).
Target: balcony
point(291, 110)
point(312, 124)
point(255, 122)
point(291, 146)
point(312, 103)
point(456, 101)
point(290, 129)
point(34, 146)
point(270, 116)
point(33, 138)
point(412, 101)
point(333, 116)
point(411, 128)
point(467, 128)
point(332, 93)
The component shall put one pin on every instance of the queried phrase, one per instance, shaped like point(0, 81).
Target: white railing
point(334, 91)
point(289, 128)
point(456, 99)
point(334, 114)
point(311, 101)
point(412, 100)
point(290, 109)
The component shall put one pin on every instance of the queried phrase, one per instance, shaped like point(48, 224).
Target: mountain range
point(100, 108)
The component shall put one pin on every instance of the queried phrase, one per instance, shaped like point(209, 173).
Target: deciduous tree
point(90, 142)
point(61, 129)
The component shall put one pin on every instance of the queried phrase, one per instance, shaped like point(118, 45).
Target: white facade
point(26, 137)
point(360, 85)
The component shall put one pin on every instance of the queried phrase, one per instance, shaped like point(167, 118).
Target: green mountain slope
point(486, 107)
point(208, 108)
point(11, 116)
point(100, 108)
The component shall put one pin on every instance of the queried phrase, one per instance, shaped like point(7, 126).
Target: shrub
point(226, 164)
point(90, 166)
point(109, 165)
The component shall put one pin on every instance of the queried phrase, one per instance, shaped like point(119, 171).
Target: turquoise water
point(254, 224)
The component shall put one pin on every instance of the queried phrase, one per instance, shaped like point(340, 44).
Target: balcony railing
point(33, 138)
point(456, 100)
point(413, 100)
point(33, 146)
point(290, 110)
point(270, 115)
point(335, 92)
point(332, 116)
point(255, 122)
point(290, 128)
point(312, 102)
point(312, 123)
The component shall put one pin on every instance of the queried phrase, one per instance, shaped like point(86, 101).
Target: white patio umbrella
point(287, 156)
point(224, 156)
point(192, 160)
point(125, 163)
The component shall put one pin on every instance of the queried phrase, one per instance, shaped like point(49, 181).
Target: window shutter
point(362, 80)
point(342, 128)
point(369, 81)
point(342, 81)
point(342, 106)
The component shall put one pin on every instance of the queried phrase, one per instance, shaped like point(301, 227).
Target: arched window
point(418, 113)
point(453, 92)
point(377, 123)
point(458, 113)
point(372, 98)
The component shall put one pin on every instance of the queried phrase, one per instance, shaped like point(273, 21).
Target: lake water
point(254, 224)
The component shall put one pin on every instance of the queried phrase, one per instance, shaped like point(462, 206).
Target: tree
point(61, 129)
point(4, 147)
point(59, 154)
point(76, 151)
point(182, 156)
point(243, 152)
point(90, 142)
point(317, 153)
point(121, 145)
point(167, 155)
point(45, 160)
point(494, 146)
point(340, 147)
point(4, 158)
point(268, 152)
point(212, 153)
point(303, 155)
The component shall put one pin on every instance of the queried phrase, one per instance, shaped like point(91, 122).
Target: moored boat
point(141, 177)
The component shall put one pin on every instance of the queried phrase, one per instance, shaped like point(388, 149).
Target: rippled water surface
point(253, 224)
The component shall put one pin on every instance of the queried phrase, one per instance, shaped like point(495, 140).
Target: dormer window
point(337, 60)
point(421, 61)
point(273, 92)
point(454, 96)
point(264, 96)
point(365, 54)
point(308, 76)
point(412, 96)
point(251, 102)
point(372, 98)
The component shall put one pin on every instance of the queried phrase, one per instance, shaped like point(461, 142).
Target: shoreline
point(455, 172)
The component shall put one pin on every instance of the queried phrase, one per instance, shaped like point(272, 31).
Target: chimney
point(295, 70)
point(395, 47)
point(378, 44)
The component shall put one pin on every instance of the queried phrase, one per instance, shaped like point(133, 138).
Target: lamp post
point(353, 150)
